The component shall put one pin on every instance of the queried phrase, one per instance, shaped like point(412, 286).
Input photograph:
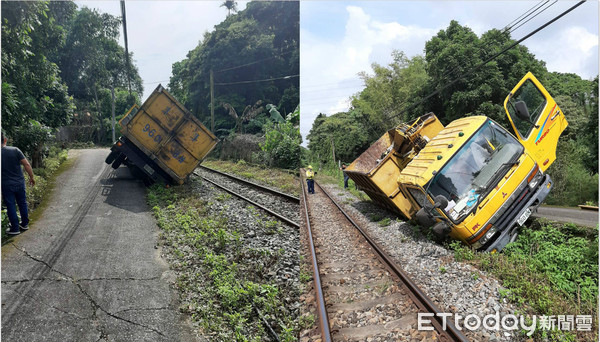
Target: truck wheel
point(111, 157)
point(118, 161)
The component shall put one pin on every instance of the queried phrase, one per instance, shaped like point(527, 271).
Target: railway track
point(360, 293)
point(283, 206)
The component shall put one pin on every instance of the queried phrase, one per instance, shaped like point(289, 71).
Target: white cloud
point(365, 41)
point(573, 50)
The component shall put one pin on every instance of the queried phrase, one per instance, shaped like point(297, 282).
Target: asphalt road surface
point(89, 268)
point(587, 218)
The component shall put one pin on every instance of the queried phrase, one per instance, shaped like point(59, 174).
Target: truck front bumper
point(530, 199)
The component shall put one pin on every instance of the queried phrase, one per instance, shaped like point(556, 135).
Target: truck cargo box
point(167, 134)
point(377, 169)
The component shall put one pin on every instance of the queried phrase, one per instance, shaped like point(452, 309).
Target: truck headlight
point(536, 180)
point(485, 238)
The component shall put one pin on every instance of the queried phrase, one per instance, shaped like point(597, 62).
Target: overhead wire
point(437, 91)
point(542, 11)
point(256, 81)
point(526, 14)
point(510, 25)
point(255, 62)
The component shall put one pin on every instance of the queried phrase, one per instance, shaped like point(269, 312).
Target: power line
point(256, 81)
point(509, 27)
point(525, 14)
point(489, 59)
point(157, 82)
point(255, 62)
point(542, 11)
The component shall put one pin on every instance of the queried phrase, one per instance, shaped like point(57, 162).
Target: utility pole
point(124, 18)
point(212, 101)
point(112, 91)
point(333, 151)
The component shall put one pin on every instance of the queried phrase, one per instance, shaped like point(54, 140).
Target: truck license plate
point(524, 217)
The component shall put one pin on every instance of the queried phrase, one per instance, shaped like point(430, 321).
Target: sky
point(339, 39)
point(160, 33)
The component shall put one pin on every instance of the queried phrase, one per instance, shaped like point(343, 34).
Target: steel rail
point(423, 302)
point(279, 216)
point(322, 310)
point(273, 191)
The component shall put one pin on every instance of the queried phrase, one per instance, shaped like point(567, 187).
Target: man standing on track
point(310, 181)
point(343, 168)
point(13, 186)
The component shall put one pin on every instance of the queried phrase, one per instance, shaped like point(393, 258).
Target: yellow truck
point(472, 179)
point(161, 140)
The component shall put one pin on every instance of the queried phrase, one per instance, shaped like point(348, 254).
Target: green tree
point(343, 132)
point(92, 61)
point(31, 86)
point(230, 5)
point(259, 43)
point(390, 90)
point(282, 143)
point(456, 51)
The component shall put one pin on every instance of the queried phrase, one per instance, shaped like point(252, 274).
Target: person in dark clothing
point(343, 168)
point(13, 186)
point(310, 181)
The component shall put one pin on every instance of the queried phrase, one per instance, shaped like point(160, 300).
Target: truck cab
point(476, 180)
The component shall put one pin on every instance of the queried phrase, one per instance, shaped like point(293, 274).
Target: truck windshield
point(475, 168)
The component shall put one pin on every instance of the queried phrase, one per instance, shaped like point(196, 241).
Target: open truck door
point(536, 119)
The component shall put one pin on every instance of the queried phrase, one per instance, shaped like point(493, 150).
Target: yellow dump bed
point(377, 169)
point(169, 134)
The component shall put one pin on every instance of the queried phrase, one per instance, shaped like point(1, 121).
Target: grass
point(551, 269)
point(38, 196)
point(220, 289)
point(277, 178)
point(335, 176)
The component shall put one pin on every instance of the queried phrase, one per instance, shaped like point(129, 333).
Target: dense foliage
point(400, 91)
point(59, 63)
point(249, 53)
point(551, 269)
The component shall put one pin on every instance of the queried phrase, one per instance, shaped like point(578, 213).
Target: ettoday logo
point(495, 322)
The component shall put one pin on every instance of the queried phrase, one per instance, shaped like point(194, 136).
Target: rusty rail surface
point(279, 216)
point(264, 188)
point(322, 310)
point(423, 302)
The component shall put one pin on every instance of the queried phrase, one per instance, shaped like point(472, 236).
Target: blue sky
point(339, 39)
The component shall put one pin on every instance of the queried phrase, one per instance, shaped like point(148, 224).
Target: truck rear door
point(536, 119)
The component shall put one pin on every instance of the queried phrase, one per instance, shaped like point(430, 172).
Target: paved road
point(581, 217)
point(89, 269)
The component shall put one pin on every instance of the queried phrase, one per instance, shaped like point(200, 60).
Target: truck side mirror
point(440, 202)
point(442, 228)
point(424, 217)
point(522, 111)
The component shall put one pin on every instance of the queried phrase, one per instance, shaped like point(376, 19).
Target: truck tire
point(118, 161)
point(111, 157)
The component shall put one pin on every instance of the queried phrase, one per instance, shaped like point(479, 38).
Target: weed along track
point(364, 295)
point(237, 266)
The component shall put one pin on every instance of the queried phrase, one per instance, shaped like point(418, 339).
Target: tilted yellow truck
point(472, 179)
point(161, 140)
